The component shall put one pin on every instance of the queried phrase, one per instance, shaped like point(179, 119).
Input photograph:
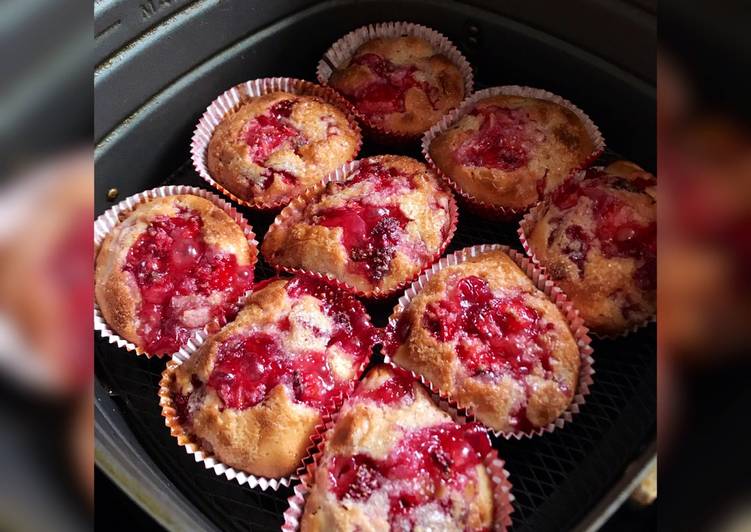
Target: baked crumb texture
point(394, 461)
point(504, 152)
point(401, 85)
point(274, 146)
point(483, 334)
point(596, 235)
point(372, 232)
point(253, 394)
point(171, 268)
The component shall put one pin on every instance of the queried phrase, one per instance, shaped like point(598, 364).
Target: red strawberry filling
point(417, 471)
point(370, 232)
point(393, 390)
point(494, 336)
point(617, 231)
point(503, 140)
point(248, 367)
point(184, 283)
point(386, 93)
point(266, 133)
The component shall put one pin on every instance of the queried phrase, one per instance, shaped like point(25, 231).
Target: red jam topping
point(248, 367)
point(268, 132)
point(398, 386)
point(370, 232)
point(498, 335)
point(417, 471)
point(617, 231)
point(176, 273)
point(501, 142)
point(386, 93)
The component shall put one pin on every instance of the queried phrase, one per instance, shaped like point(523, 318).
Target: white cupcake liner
point(297, 206)
point(503, 498)
point(553, 293)
point(186, 440)
point(111, 218)
point(340, 53)
point(527, 223)
point(233, 98)
point(481, 207)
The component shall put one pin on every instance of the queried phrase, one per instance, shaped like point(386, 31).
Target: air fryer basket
point(152, 86)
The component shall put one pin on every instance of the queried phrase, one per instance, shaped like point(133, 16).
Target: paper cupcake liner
point(487, 210)
point(193, 446)
point(105, 223)
point(525, 226)
point(231, 99)
point(553, 293)
point(342, 51)
point(296, 207)
point(503, 498)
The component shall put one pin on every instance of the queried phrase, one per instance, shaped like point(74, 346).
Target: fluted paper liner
point(553, 293)
point(192, 446)
point(480, 207)
point(232, 99)
point(526, 224)
point(105, 223)
point(502, 497)
point(340, 53)
point(297, 206)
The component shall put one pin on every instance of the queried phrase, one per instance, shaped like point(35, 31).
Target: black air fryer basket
point(161, 62)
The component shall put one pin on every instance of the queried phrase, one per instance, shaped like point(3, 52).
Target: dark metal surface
point(557, 478)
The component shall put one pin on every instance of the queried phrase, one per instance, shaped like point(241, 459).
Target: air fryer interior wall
point(180, 55)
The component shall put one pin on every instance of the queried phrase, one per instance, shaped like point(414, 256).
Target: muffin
point(400, 85)
point(597, 237)
point(173, 266)
point(374, 231)
point(482, 333)
point(274, 146)
point(395, 461)
point(254, 392)
point(507, 150)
